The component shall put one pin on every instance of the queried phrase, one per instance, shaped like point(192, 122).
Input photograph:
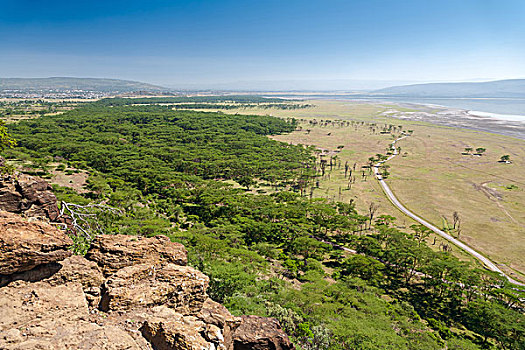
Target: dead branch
point(85, 219)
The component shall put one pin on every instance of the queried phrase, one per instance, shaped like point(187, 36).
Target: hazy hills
point(513, 88)
point(68, 84)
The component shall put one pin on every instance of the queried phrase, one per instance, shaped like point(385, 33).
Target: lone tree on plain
point(455, 219)
point(480, 150)
point(505, 158)
point(468, 150)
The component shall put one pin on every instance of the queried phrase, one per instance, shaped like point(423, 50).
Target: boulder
point(179, 287)
point(114, 252)
point(147, 298)
point(25, 245)
point(215, 314)
point(179, 332)
point(164, 328)
point(28, 195)
point(73, 269)
point(41, 316)
point(260, 333)
point(78, 269)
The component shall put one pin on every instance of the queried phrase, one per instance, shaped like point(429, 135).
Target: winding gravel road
point(488, 264)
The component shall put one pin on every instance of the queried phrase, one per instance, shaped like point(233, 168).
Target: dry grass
point(434, 179)
point(75, 181)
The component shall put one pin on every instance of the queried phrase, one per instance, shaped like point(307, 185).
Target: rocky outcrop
point(213, 313)
point(28, 195)
point(180, 332)
point(25, 245)
point(113, 253)
point(180, 287)
point(40, 316)
point(127, 293)
point(78, 269)
point(260, 333)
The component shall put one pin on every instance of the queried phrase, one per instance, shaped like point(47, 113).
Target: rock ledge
point(127, 293)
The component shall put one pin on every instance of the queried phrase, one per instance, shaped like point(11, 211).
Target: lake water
point(507, 109)
point(499, 108)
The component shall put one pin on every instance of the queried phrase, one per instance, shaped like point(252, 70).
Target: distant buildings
point(55, 94)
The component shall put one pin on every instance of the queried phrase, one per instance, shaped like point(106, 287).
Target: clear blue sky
point(175, 42)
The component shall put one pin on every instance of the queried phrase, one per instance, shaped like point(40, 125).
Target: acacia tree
point(246, 181)
point(494, 321)
point(505, 158)
point(385, 220)
point(420, 233)
point(384, 171)
point(364, 267)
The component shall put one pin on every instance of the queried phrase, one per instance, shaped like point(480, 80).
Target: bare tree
point(455, 219)
point(86, 220)
point(372, 208)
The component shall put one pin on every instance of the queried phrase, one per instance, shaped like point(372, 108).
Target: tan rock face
point(181, 333)
point(180, 287)
point(41, 316)
point(260, 333)
point(114, 252)
point(213, 313)
point(28, 195)
point(23, 303)
point(25, 245)
point(147, 299)
point(78, 269)
point(34, 275)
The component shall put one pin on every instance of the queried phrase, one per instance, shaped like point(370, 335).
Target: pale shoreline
point(498, 116)
point(508, 125)
point(425, 106)
point(475, 113)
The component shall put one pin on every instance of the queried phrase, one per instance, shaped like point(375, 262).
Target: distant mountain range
point(512, 88)
point(85, 84)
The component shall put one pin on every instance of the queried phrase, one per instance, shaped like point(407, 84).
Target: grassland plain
point(433, 177)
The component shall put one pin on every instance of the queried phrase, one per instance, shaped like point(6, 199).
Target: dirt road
point(486, 262)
